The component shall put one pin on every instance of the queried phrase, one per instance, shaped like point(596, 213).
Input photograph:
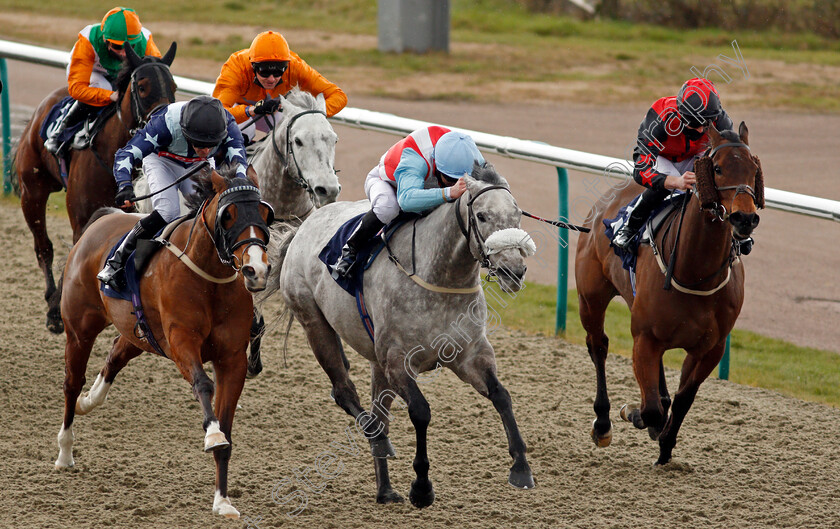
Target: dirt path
point(745, 457)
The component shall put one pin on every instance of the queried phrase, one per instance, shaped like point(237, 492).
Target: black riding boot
point(638, 216)
point(145, 228)
point(78, 111)
point(367, 228)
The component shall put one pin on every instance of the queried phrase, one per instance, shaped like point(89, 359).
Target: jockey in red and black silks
point(670, 138)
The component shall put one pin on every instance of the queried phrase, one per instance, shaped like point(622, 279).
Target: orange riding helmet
point(269, 46)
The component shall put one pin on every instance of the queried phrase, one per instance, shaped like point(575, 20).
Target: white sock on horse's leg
point(222, 506)
point(94, 397)
point(65, 448)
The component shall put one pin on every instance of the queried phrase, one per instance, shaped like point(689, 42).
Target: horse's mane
point(487, 173)
point(301, 98)
point(204, 186)
point(730, 135)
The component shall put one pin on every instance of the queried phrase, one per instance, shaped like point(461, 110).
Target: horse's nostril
point(249, 272)
point(320, 190)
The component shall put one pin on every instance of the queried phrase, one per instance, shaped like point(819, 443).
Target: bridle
point(472, 227)
point(296, 176)
point(717, 208)
point(162, 78)
point(247, 217)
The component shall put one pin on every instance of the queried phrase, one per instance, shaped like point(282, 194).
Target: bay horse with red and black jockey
point(196, 298)
point(704, 298)
point(144, 85)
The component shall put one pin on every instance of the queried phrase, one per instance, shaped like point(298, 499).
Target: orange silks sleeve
point(309, 80)
point(82, 59)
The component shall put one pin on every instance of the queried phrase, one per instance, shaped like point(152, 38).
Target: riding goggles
point(266, 69)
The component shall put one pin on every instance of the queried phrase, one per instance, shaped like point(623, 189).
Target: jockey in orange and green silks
point(98, 55)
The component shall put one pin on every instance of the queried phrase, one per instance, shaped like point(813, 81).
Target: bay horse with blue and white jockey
point(196, 299)
point(144, 86)
point(704, 295)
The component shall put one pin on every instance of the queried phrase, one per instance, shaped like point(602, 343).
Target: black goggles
point(267, 69)
point(116, 47)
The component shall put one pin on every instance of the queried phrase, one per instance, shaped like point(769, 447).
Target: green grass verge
point(756, 360)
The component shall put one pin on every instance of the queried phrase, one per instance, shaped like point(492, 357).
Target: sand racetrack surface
point(745, 457)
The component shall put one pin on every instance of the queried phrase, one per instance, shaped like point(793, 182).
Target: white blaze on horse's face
point(313, 142)
point(255, 267)
point(506, 245)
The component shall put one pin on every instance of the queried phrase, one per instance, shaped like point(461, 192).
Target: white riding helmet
point(455, 153)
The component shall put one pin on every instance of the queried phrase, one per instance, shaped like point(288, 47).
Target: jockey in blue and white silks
point(418, 173)
point(184, 134)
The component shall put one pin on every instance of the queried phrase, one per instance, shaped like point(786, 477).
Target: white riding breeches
point(382, 196)
point(666, 166)
point(161, 172)
point(97, 80)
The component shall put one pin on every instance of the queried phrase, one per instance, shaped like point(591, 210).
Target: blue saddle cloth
point(131, 292)
point(59, 110)
point(354, 283)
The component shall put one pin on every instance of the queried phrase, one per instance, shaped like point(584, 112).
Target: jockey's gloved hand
point(125, 193)
point(266, 106)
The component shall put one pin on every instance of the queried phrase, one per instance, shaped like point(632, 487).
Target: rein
point(413, 275)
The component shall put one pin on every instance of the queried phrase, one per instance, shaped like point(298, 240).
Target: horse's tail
point(281, 237)
point(98, 214)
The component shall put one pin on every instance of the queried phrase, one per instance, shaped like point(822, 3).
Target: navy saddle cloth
point(611, 227)
point(59, 110)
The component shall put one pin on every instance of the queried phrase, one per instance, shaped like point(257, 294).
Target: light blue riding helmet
point(455, 153)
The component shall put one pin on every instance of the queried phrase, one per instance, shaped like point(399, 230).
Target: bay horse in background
point(144, 86)
point(730, 187)
point(412, 317)
point(296, 167)
point(197, 303)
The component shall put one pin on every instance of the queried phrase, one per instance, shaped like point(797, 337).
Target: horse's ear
point(219, 182)
point(704, 171)
point(744, 133)
point(251, 173)
point(321, 103)
point(714, 135)
point(759, 180)
point(132, 58)
point(169, 56)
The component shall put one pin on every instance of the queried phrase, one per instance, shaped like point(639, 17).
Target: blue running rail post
point(723, 366)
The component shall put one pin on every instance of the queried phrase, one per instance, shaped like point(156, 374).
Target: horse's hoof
point(522, 479)
point(389, 497)
point(421, 495)
point(215, 441)
point(223, 507)
point(55, 326)
point(623, 413)
point(254, 370)
point(62, 464)
point(382, 449)
point(603, 440)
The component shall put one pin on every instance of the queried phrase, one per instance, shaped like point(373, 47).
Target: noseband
point(717, 208)
point(297, 176)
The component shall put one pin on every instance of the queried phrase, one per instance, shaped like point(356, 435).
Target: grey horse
point(296, 167)
point(437, 317)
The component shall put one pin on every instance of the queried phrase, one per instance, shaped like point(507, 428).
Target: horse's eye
point(298, 142)
point(718, 170)
point(481, 217)
point(226, 216)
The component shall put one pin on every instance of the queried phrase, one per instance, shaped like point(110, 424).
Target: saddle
point(80, 135)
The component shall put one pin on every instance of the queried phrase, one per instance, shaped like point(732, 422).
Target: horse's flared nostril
point(249, 272)
point(320, 191)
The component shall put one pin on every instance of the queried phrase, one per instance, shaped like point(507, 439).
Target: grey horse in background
point(296, 168)
point(417, 329)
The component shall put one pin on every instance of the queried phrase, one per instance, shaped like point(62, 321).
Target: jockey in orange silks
point(251, 80)
point(96, 60)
